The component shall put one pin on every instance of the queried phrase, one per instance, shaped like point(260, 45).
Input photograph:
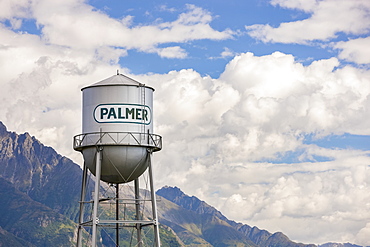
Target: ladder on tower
point(142, 103)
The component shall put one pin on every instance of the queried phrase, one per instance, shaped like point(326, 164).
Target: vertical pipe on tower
point(137, 206)
point(95, 218)
point(117, 215)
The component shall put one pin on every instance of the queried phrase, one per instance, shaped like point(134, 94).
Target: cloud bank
point(220, 133)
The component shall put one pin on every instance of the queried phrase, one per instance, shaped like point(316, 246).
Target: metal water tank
point(117, 118)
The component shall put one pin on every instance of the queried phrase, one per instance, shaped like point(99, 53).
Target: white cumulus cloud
point(355, 50)
point(328, 18)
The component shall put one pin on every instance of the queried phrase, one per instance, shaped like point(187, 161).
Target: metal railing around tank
point(152, 141)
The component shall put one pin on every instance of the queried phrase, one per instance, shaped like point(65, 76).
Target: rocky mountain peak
point(191, 203)
point(171, 192)
point(32, 168)
point(3, 130)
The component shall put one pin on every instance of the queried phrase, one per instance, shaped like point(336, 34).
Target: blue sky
point(204, 56)
point(263, 105)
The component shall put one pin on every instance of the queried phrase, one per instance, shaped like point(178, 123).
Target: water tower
point(117, 142)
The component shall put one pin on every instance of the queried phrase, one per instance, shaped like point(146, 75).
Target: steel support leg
point(154, 204)
point(82, 206)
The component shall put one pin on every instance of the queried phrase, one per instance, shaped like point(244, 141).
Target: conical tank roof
point(117, 80)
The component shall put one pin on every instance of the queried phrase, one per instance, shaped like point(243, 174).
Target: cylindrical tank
point(117, 118)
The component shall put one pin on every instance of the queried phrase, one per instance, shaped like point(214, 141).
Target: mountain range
point(40, 191)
